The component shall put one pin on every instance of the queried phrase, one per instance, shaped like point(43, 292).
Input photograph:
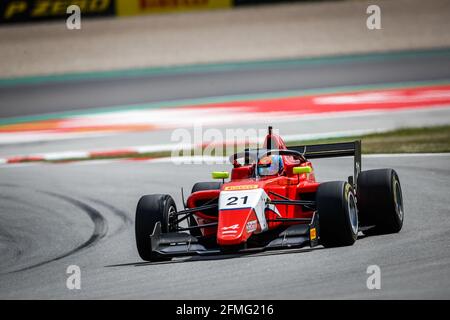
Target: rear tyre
point(150, 210)
point(202, 186)
point(380, 201)
point(338, 215)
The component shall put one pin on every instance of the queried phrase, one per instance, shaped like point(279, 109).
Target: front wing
point(176, 244)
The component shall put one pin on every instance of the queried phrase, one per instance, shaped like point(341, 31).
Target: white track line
point(199, 160)
point(86, 154)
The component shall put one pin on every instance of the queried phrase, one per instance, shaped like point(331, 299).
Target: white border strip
point(56, 156)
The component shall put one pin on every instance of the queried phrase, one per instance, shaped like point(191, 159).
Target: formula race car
point(272, 201)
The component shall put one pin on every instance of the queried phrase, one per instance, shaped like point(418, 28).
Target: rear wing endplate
point(332, 150)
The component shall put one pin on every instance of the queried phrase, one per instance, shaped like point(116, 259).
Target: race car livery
point(272, 201)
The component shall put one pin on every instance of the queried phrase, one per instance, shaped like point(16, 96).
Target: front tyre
point(380, 201)
point(150, 210)
point(201, 186)
point(338, 215)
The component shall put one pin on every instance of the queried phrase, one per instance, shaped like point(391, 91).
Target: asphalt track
point(53, 216)
point(40, 96)
point(232, 79)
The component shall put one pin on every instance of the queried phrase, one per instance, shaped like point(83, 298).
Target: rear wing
point(332, 150)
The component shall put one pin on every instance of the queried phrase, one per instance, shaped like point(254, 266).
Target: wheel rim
point(171, 218)
point(398, 199)
point(352, 212)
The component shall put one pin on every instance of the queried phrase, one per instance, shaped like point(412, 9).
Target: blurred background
point(135, 70)
point(113, 83)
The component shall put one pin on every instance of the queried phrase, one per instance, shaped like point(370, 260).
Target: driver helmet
point(270, 165)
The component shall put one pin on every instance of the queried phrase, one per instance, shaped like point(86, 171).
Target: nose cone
point(236, 226)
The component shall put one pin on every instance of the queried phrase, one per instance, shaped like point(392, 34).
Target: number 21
point(232, 201)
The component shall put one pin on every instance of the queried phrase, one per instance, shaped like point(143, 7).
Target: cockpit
point(263, 162)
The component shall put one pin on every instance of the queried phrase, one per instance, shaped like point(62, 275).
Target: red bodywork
point(233, 228)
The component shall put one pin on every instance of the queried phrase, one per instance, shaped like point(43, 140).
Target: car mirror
point(220, 175)
point(300, 170)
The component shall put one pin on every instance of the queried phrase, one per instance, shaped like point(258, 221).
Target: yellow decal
point(136, 7)
point(312, 234)
point(53, 8)
point(15, 7)
point(242, 187)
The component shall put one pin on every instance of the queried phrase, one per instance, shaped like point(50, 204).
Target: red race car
point(272, 201)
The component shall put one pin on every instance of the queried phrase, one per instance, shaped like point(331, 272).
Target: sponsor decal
point(230, 230)
point(242, 187)
point(136, 7)
point(312, 234)
point(233, 227)
point(347, 189)
point(35, 10)
point(252, 226)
